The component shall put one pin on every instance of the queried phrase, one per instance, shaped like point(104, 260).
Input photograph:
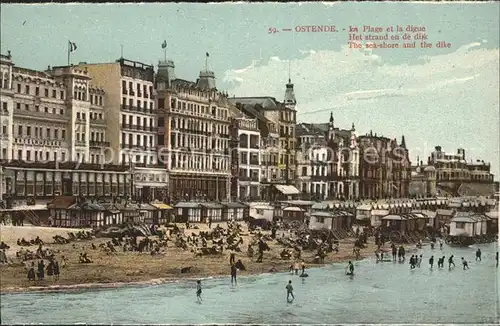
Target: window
point(46, 109)
point(62, 95)
point(19, 88)
point(4, 129)
point(54, 93)
point(78, 116)
point(46, 92)
point(27, 89)
point(18, 106)
point(19, 154)
point(460, 225)
point(28, 155)
point(37, 91)
point(63, 134)
point(4, 106)
point(28, 131)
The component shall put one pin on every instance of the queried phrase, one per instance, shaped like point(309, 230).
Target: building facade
point(277, 126)
point(48, 120)
point(385, 168)
point(423, 181)
point(195, 135)
point(132, 123)
point(329, 161)
point(457, 176)
point(246, 158)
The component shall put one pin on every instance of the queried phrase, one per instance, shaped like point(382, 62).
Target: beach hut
point(147, 213)
point(87, 214)
point(395, 222)
point(211, 211)
point(130, 212)
point(363, 213)
point(444, 216)
point(465, 224)
point(261, 211)
point(187, 211)
point(294, 213)
point(60, 215)
point(430, 218)
point(321, 220)
point(233, 211)
point(112, 214)
point(492, 223)
point(163, 213)
point(376, 216)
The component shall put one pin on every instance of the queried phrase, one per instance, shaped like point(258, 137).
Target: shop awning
point(287, 189)
point(161, 206)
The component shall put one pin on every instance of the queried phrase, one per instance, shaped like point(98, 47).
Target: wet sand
point(133, 268)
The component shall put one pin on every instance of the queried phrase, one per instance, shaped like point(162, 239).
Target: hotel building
point(48, 120)
point(132, 124)
point(328, 159)
point(385, 169)
point(456, 176)
point(245, 157)
point(277, 124)
point(195, 135)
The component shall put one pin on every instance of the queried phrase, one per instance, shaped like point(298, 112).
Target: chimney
point(206, 80)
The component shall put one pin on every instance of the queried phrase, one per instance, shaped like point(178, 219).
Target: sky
point(432, 96)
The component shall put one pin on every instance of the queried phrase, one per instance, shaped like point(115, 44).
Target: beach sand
point(125, 268)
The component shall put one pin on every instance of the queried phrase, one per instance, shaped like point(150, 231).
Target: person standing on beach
point(31, 272)
point(394, 252)
point(289, 292)
point(478, 254)
point(431, 261)
point(497, 258)
point(232, 258)
point(233, 273)
point(419, 261)
point(41, 270)
point(56, 270)
point(198, 291)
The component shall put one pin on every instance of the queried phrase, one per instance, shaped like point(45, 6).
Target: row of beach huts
point(473, 216)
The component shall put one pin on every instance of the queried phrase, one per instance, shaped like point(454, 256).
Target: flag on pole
point(207, 54)
point(164, 44)
point(72, 46)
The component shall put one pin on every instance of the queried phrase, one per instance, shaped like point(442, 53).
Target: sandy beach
point(134, 268)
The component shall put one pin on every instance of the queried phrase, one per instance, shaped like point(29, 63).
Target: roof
point(187, 204)
point(444, 212)
point(39, 207)
point(322, 214)
point(62, 202)
point(287, 189)
point(267, 102)
point(301, 202)
point(492, 214)
point(380, 212)
point(262, 206)
point(210, 205)
point(234, 204)
point(394, 218)
point(148, 207)
point(293, 209)
point(161, 206)
point(320, 206)
point(476, 189)
point(364, 207)
point(429, 214)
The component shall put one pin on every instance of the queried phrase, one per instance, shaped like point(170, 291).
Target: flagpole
point(69, 50)
point(165, 53)
point(206, 63)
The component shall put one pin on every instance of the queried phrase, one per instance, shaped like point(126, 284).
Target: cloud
point(450, 99)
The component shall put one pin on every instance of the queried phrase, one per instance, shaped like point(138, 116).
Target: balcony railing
point(95, 143)
point(139, 128)
point(138, 109)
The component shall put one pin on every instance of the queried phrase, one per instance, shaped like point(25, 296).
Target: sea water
point(378, 293)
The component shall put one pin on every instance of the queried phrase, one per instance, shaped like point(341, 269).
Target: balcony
point(99, 144)
point(124, 91)
point(132, 93)
point(38, 142)
point(139, 94)
point(80, 143)
point(146, 95)
point(320, 178)
point(138, 109)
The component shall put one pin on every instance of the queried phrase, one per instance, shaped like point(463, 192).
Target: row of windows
point(221, 113)
point(140, 140)
point(39, 132)
point(139, 104)
point(197, 125)
point(96, 136)
point(139, 90)
point(37, 92)
point(198, 141)
point(199, 162)
point(27, 107)
point(138, 158)
point(139, 121)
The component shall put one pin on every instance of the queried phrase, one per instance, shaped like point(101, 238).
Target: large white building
point(195, 134)
point(133, 123)
point(47, 118)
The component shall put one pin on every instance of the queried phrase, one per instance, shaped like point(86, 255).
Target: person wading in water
point(350, 268)
point(431, 261)
point(233, 274)
point(464, 262)
point(497, 258)
point(198, 291)
point(394, 252)
point(450, 262)
point(289, 292)
point(478, 254)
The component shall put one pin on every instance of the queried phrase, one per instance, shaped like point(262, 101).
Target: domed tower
point(430, 178)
